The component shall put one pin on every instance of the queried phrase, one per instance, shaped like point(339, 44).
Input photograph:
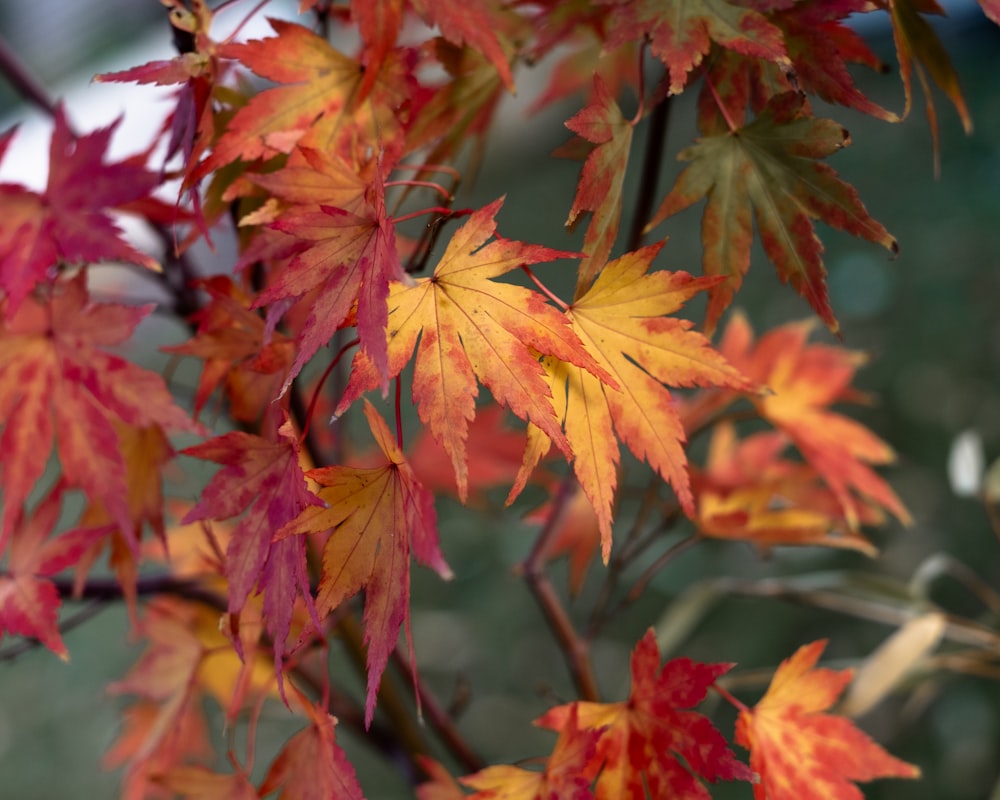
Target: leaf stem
point(543, 288)
point(737, 704)
point(319, 386)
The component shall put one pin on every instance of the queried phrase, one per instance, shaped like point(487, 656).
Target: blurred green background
point(930, 320)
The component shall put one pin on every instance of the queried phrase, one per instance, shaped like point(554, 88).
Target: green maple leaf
point(770, 169)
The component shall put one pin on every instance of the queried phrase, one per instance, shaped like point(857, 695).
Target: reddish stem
point(543, 288)
point(737, 704)
point(437, 187)
point(319, 386)
point(447, 212)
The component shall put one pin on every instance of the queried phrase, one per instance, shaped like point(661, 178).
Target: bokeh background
point(929, 318)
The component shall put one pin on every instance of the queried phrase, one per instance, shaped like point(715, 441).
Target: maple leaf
point(569, 770)
point(469, 22)
point(319, 81)
point(192, 121)
point(311, 766)
point(201, 783)
point(379, 25)
point(237, 348)
point(377, 514)
point(440, 784)
point(58, 386)
point(748, 492)
point(69, 221)
point(918, 46)
point(351, 258)
point(600, 187)
point(29, 604)
point(800, 753)
point(622, 321)
point(770, 166)
point(187, 657)
point(643, 739)
point(472, 327)
point(264, 478)
point(805, 379)
point(682, 32)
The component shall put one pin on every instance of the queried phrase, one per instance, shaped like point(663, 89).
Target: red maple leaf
point(645, 737)
point(311, 766)
point(264, 478)
point(29, 604)
point(69, 222)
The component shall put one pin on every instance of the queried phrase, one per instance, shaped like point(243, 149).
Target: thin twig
point(23, 81)
point(574, 647)
point(439, 719)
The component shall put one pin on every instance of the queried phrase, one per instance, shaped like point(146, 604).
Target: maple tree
point(300, 542)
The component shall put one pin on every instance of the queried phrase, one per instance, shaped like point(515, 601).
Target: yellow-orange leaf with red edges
point(623, 321)
point(800, 753)
point(377, 514)
point(472, 327)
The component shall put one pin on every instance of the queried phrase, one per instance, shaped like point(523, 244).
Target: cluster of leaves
point(315, 177)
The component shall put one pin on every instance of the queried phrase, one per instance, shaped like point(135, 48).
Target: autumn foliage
point(313, 160)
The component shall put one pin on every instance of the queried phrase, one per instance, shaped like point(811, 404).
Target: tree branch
point(574, 647)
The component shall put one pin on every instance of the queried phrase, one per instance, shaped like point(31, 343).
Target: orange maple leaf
point(58, 388)
point(800, 753)
point(643, 739)
point(569, 770)
point(376, 515)
point(473, 327)
point(770, 168)
point(805, 379)
point(748, 492)
point(315, 80)
point(622, 321)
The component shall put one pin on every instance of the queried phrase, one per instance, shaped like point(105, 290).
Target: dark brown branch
point(652, 162)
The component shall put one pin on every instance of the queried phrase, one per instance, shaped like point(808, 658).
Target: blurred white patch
point(965, 464)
